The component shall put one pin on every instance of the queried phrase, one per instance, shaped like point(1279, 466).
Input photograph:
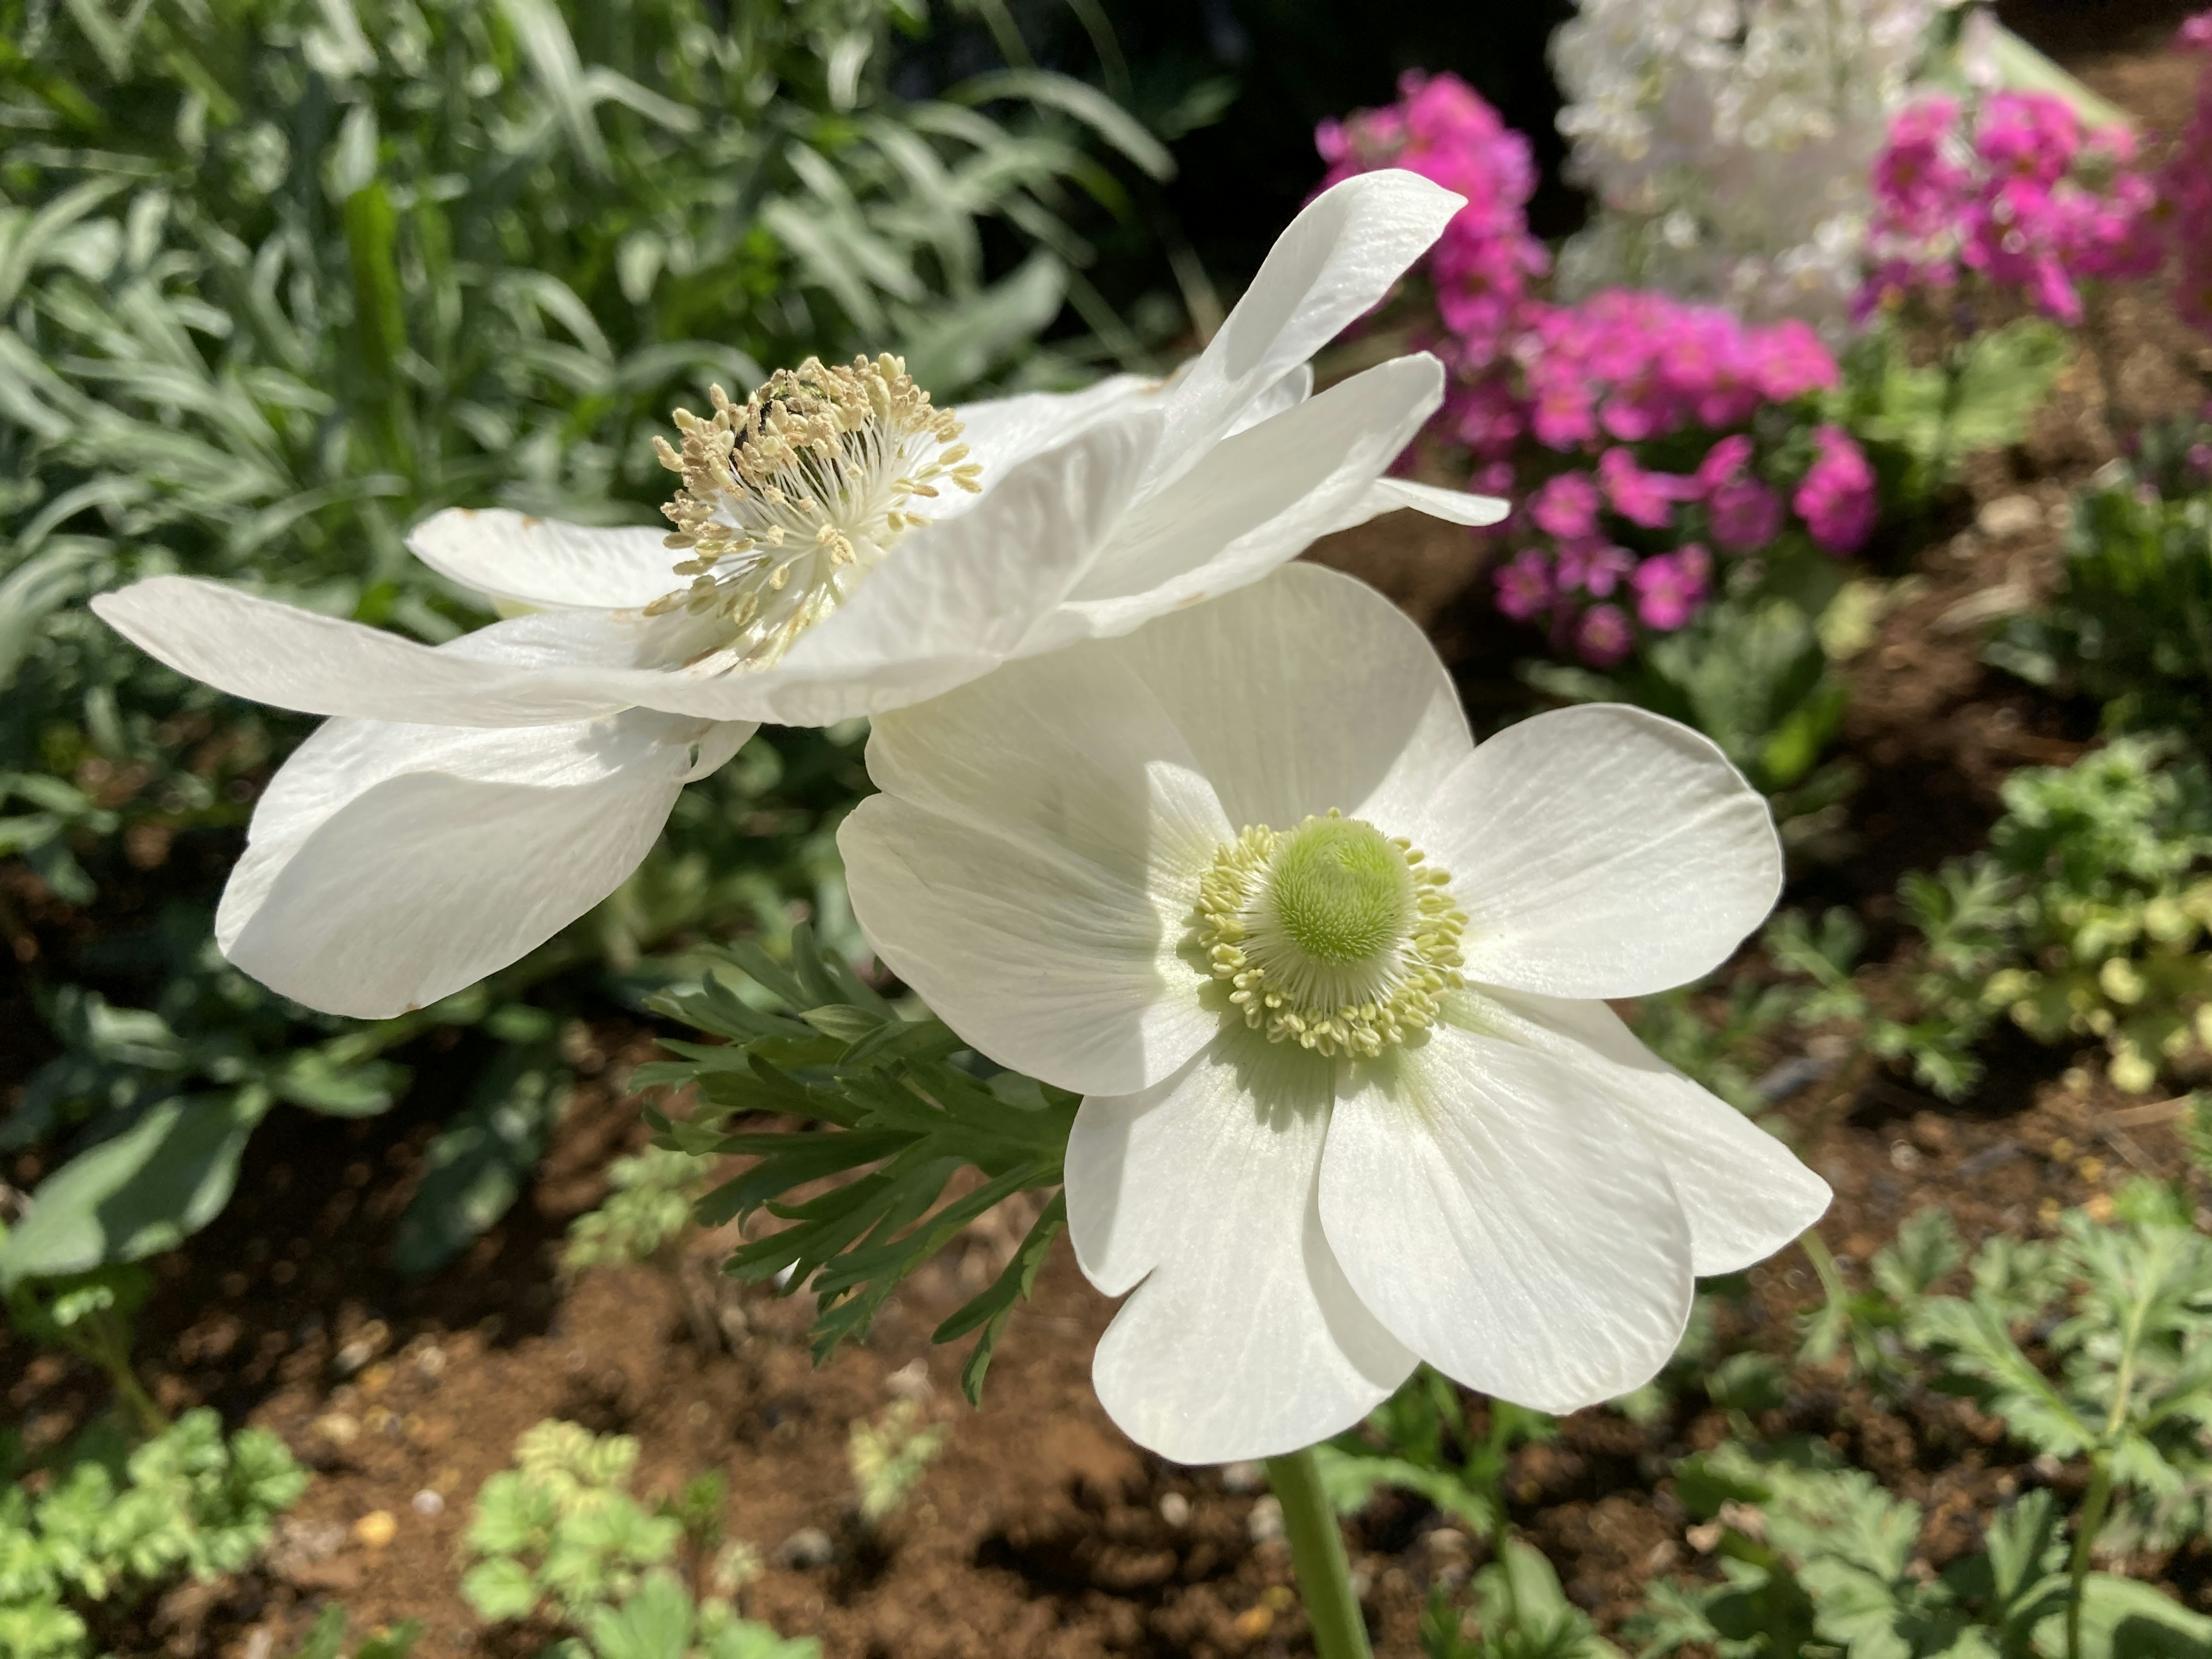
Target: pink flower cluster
point(1563, 407)
point(1442, 129)
point(2022, 196)
point(1573, 574)
point(2187, 186)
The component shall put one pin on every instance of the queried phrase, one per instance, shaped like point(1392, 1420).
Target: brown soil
point(1041, 1530)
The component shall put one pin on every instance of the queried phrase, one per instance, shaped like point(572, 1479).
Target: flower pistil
point(1332, 934)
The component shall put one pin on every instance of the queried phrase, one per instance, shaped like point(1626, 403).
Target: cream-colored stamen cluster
point(789, 498)
point(1332, 935)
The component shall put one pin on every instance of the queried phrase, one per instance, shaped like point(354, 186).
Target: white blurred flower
point(1730, 143)
point(1328, 975)
point(844, 547)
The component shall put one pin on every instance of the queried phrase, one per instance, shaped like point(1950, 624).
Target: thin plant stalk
point(2099, 1494)
point(1318, 1555)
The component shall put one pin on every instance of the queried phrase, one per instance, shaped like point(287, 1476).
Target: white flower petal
point(1305, 692)
point(1051, 965)
point(1244, 1341)
point(1506, 1220)
point(545, 562)
point(1002, 432)
point(276, 654)
point(1286, 394)
point(953, 600)
point(1453, 505)
point(1257, 500)
point(1744, 1193)
point(1336, 261)
point(1602, 851)
point(389, 866)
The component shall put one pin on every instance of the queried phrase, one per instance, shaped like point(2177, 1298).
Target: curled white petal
point(545, 562)
point(278, 653)
point(388, 865)
point(1254, 501)
point(1334, 262)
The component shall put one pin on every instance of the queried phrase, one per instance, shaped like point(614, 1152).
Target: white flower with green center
point(840, 546)
point(1329, 976)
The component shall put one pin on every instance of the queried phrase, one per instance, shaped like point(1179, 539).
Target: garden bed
point(1039, 1529)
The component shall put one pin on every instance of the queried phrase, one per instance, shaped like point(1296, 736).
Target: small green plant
point(1818, 1560)
point(560, 1529)
point(1420, 1440)
point(559, 1537)
point(887, 1458)
point(327, 1639)
point(2123, 1313)
point(1921, 416)
point(1515, 1609)
point(1869, 1326)
point(2131, 624)
point(648, 1209)
point(114, 1525)
point(2084, 920)
point(90, 1315)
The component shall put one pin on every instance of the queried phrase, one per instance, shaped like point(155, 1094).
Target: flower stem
point(2085, 1535)
point(1317, 1554)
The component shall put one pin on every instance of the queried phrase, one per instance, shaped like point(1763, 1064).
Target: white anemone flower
point(841, 547)
point(1329, 976)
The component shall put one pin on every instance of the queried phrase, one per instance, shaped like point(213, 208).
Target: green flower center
point(1332, 934)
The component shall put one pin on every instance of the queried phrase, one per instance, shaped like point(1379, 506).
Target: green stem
point(107, 1345)
point(1317, 1554)
point(2084, 1534)
point(2100, 1466)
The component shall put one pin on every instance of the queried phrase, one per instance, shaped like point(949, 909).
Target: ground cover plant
point(754, 1229)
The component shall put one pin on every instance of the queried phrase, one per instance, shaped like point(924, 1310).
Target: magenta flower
point(1724, 463)
point(2028, 200)
point(1593, 566)
point(1641, 497)
point(1566, 507)
point(1604, 636)
point(1524, 585)
point(2186, 185)
point(1746, 515)
point(1670, 586)
point(1837, 499)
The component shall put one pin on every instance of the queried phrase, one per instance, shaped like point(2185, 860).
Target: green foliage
point(278, 278)
point(1819, 1561)
point(2124, 1314)
point(90, 1315)
point(649, 1206)
point(1420, 1440)
point(560, 1536)
point(327, 1639)
point(560, 1529)
point(2085, 916)
point(2083, 920)
point(2131, 624)
point(1919, 421)
point(887, 1458)
point(1753, 670)
point(889, 1103)
point(1516, 1610)
point(111, 1527)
